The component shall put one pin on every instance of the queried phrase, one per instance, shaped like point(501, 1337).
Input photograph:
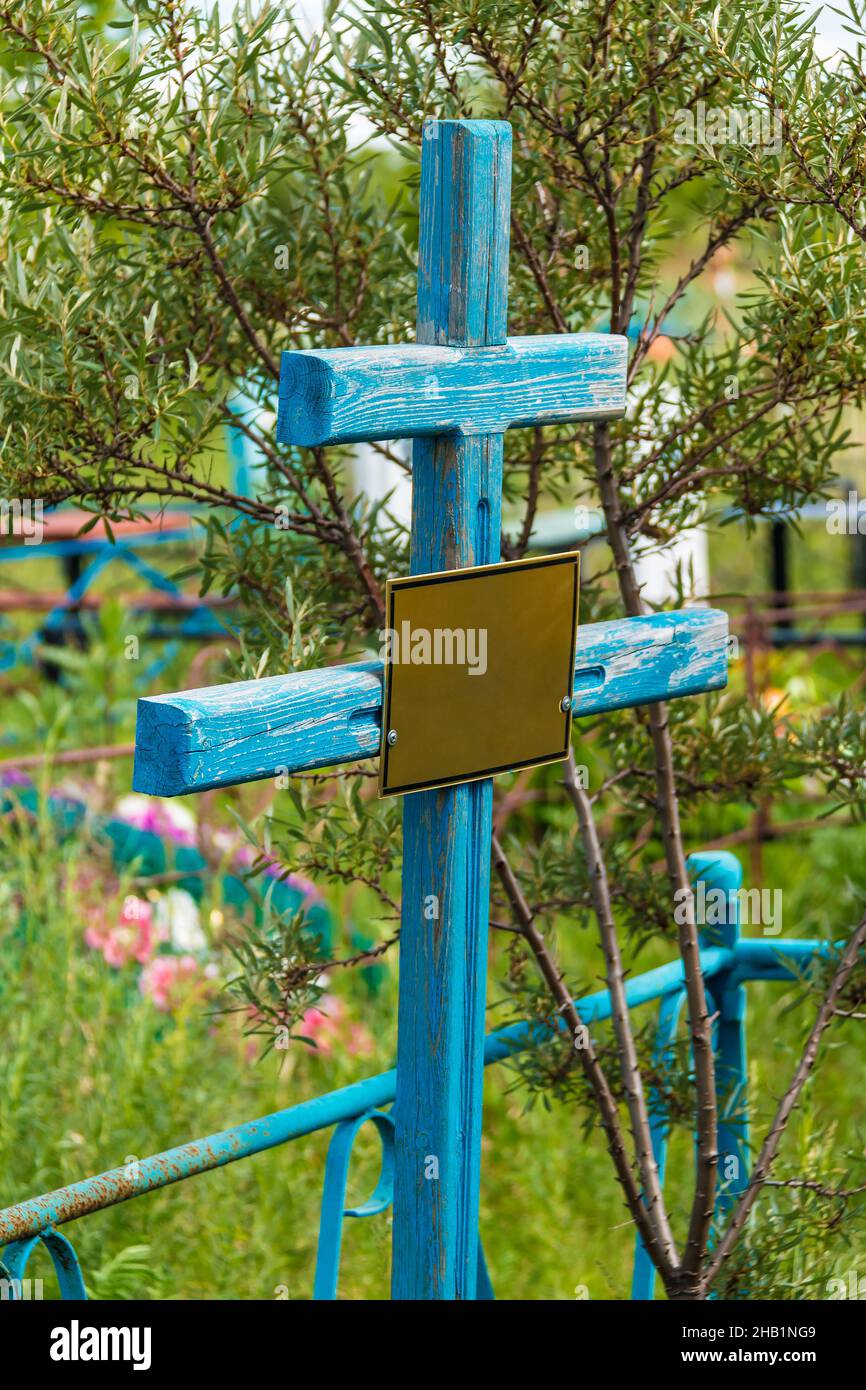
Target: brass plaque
point(478, 665)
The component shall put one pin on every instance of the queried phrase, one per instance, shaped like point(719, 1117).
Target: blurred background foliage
point(183, 196)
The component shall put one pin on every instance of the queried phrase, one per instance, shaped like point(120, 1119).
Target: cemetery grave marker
point(455, 391)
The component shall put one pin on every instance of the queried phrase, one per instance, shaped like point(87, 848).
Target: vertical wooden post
point(456, 505)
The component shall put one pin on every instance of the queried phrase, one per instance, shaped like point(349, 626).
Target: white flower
point(177, 913)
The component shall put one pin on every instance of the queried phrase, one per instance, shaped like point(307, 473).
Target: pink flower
point(170, 980)
point(145, 813)
point(134, 937)
point(322, 1025)
point(359, 1042)
point(12, 777)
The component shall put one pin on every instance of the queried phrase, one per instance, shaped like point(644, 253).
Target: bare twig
point(786, 1107)
point(630, 1068)
point(589, 1061)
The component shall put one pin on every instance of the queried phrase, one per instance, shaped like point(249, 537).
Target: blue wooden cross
point(455, 391)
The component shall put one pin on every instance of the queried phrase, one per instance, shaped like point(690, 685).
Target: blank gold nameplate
point(479, 669)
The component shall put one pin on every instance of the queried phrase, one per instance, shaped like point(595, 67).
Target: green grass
point(92, 1075)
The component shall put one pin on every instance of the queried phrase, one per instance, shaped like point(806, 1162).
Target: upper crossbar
point(226, 734)
point(339, 395)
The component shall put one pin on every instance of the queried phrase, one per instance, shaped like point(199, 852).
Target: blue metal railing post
point(334, 1196)
point(644, 1275)
point(716, 877)
point(721, 875)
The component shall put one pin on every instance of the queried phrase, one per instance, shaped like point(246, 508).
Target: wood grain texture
point(347, 394)
point(225, 734)
point(454, 392)
point(456, 520)
point(463, 233)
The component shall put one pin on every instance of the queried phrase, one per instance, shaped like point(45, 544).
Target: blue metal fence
point(728, 961)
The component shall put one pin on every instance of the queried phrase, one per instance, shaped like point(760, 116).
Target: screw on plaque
point(565, 704)
point(392, 737)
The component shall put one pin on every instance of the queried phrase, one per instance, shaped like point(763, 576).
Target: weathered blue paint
point(199, 1156)
point(222, 735)
point(455, 392)
point(748, 959)
point(456, 507)
point(343, 395)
